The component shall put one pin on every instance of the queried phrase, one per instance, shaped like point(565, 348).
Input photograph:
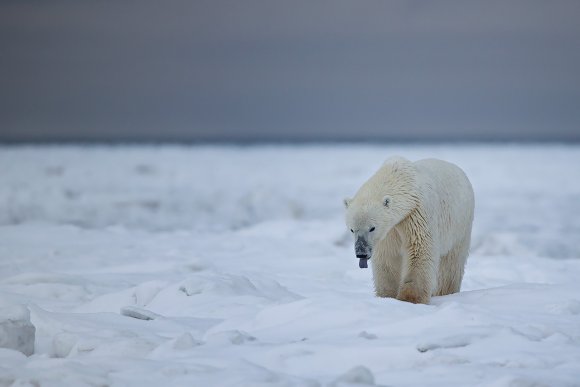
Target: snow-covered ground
point(227, 266)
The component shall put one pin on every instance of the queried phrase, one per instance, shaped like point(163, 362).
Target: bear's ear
point(386, 201)
point(346, 202)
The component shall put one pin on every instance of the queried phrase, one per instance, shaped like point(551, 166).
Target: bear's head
point(380, 204)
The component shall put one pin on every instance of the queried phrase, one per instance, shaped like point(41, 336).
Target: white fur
point(421, 238)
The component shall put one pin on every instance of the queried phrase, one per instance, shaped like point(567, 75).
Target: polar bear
point(413, 220)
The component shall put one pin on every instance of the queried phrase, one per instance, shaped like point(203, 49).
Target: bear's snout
point(361, 248)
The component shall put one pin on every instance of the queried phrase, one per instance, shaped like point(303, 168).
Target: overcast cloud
point(292, 71)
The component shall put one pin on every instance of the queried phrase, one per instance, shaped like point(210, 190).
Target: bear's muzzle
point(362, 251)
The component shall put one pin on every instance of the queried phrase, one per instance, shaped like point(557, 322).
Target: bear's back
point(451, 189)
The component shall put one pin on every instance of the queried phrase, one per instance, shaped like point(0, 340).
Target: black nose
point(361, 256)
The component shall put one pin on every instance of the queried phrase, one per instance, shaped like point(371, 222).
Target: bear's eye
point(372, 229)
point(351, 230)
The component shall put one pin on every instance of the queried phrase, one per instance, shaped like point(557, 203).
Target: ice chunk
point(358, 375)
point(235, 337)
point(367, 335)
point(16, 330)
point(139, 313)
point(63, 344)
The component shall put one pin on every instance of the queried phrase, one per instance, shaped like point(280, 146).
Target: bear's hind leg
point(451, 269)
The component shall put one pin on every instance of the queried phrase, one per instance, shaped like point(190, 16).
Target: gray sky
point(294, 70)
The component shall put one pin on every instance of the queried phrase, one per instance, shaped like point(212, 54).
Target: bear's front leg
point(386, 279)
point(412, 290)
point(386, 264)
point(419, 263)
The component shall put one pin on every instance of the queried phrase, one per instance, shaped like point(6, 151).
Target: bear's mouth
point(362, 263)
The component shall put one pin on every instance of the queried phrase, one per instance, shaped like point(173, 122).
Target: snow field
point(148, 266)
